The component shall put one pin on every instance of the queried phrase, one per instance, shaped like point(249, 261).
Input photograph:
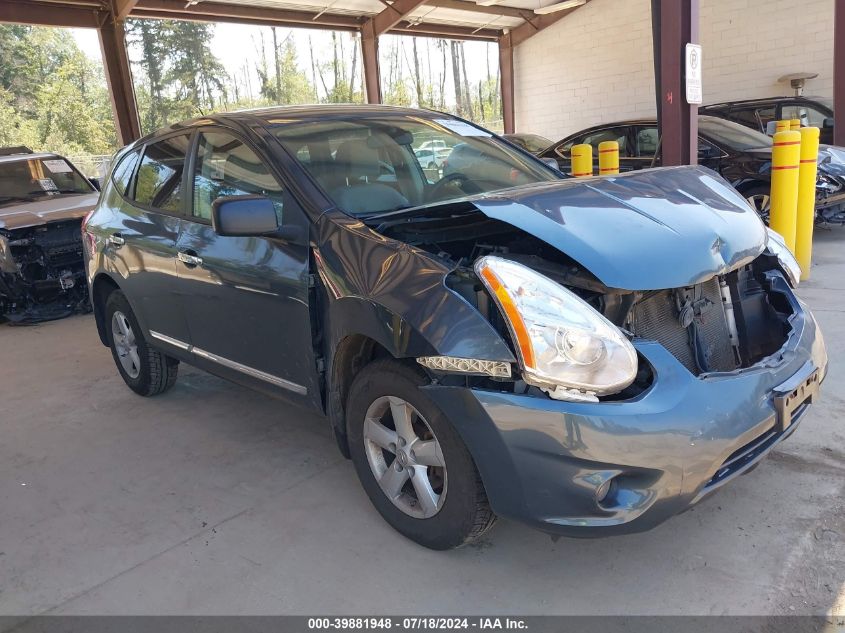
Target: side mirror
point(95, 182)
point(828, 122)
point(771, 127)
point(248, 216)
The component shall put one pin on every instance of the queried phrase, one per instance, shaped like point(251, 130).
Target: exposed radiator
point(658, 317)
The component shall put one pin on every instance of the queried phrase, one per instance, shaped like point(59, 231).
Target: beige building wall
point(596, 64)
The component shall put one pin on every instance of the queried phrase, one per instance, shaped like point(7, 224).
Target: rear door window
point(158, 184)
point(618, 134)
point(647, 138)
point(123, 172)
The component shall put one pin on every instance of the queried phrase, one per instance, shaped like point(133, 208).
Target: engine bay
point(725, 324)
point(42, 273)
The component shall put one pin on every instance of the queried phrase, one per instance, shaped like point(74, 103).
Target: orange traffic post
point(608, 158)
point(786, 152)
point(582, 160)
point(806, 199)
point(782, 126)
point(794, 124)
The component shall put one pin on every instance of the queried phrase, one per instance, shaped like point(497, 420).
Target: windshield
point(369, 165)
point(732, 135)
point(28, 180)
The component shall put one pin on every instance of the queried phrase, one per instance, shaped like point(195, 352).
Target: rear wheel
point(411, 462)
point(145, 370)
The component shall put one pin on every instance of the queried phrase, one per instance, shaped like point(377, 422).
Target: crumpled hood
point(645, 230)
point(52, 209)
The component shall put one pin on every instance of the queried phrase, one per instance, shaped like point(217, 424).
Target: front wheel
point(145, 370)
point(759, 197)
point(411, 462)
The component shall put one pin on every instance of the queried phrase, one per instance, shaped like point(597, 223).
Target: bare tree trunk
point(313, 69)
point(442, 44)
point(417, 78)
point(277, 65)
point(354, 67)
point(467, 93)
point(456, 77)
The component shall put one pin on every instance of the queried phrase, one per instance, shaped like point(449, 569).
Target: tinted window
point(764, 115)
point(808, 115)
point(618, 134)
point(732, 135)
point(159, 180)
point(746, 117)
point(647, 141)
point(227, 167)
point(123, 172)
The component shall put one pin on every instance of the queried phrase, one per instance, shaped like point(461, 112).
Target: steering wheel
point(437, 189)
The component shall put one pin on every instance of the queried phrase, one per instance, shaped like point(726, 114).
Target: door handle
point(115, 239)
point(188, 259)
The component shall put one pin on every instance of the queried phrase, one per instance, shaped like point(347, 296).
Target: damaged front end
point(728, 310)
point(42, 273)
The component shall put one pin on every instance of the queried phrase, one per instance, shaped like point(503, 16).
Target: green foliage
point(52, 97)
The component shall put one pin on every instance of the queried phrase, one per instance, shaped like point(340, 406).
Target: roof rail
point(16, 149)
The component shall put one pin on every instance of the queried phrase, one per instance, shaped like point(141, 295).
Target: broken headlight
point(777, 247)
point(565, 346)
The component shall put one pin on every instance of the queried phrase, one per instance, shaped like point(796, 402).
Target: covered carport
point(217, 500)
point(509, 23)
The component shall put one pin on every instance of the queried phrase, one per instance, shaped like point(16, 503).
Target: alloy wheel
point(761, 203)
point(125, 344)
point(405, 457)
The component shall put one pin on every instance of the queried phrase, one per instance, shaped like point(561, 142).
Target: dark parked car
point(742, 156)
point(533, 143)
point(43, 199)
point(758, 114)
point(588, 356)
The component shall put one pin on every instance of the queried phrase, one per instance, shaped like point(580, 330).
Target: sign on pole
point(693, 73)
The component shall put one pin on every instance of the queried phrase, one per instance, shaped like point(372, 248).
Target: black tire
point(157, 371)
point(759, 191)
point(465, 513)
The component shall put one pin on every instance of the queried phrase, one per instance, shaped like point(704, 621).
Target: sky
point(236, 47)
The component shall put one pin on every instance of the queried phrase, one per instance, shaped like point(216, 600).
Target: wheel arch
point(101, 287)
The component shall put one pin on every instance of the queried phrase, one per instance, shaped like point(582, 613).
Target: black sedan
point(760, 114)
point(741, 155)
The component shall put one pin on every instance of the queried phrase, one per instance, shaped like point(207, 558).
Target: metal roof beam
point(221, 12)
point(496, 9)
point(389, 17)
point(47, 14)
point(122, 8)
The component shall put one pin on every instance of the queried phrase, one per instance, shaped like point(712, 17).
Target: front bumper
point(543, 462)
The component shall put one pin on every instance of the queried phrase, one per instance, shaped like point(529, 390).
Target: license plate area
point(799, 390)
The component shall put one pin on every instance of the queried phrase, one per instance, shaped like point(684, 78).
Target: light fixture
point(560, 6)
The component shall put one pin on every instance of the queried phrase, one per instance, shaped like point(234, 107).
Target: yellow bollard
point(786, 152)
point(782, 126)
point(582, 160)
point(806, 199)
point(794, 124)
point(608, 158)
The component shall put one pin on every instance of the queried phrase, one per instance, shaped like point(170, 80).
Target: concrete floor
point(212, 499)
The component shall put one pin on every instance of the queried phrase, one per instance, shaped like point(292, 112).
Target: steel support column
point(839, 73)
point(506, 81)
point(674, 24)
point(372, 73)
point(119, 78)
